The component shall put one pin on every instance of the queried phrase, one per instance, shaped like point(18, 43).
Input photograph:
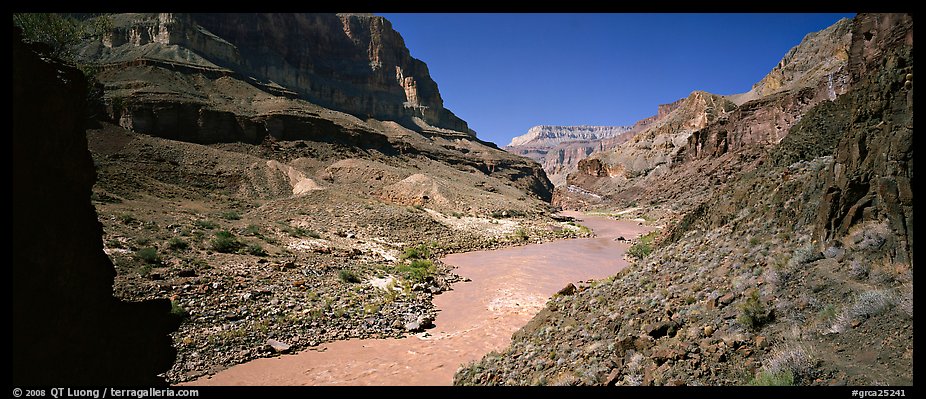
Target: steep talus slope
point(68, 329)
point(559, 148)
point(269, 173)
point(745, 124)
point(797, 270)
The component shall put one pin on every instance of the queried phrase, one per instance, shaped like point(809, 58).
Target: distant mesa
point(559, 148)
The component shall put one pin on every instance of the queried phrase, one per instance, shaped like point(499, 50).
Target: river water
point(507, 288)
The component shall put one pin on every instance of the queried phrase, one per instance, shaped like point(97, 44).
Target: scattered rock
point(662, 329)
point(761, 342)
point(569, 289)
point(726, 299)
point(277, 346)
point(611, 378)
point(187, 273)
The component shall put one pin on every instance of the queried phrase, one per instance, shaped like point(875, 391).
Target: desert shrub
point(127, 218)
point(148, 255)
point(205, 224)
point(231, 215)
point(521, 235)
point(177, 310)
point(417, 270)
point(804, 255)
point(644, 247)
point(251, 230)
point(791, 362)
point(781, 378)
point(753, 313)
point(867, 304)
point(60, 32)
point(225, 242)
point(348, 276)
point(177, 243)
point(256, 250)
point(420, 251)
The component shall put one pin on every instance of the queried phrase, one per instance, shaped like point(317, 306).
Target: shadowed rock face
point(871, 177)
point(68, 329)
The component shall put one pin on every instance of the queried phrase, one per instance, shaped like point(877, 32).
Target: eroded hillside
point(795, 270)
point(287, 193)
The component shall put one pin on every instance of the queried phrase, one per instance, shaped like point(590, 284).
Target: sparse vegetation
point(177, 310)
point(231, 215)
point(225, 242)
point(753, 313)
point(148, 255)
point(177, 243)
point(256, 250)
point(348, 276)
point(420, 251)
point(127, 218)
point(251, 230)
point(781, 378)
point(297, 231)
point(206, 224)
point(644, 247)
point(417, 270)
point(521, 235)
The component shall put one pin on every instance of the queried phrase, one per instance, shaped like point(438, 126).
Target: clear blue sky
point(504, 73)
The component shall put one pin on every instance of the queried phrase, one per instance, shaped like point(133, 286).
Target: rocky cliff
point(819, 61)
point(546, 135)
point(559, 148)
point(658, 164)
point(68, 329)
point(348, 62)
point(787, 274)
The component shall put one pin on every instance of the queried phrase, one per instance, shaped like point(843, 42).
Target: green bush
point(205, 224)
point(348, 276)
point(520, 234)
point(766, 378)
point(296, 231)
point(420, 251)
point(752, 312)
point(643, 248)
point(231, 215)
point(127, 218)
point(225, 242)
point(177, 243)
point(251, 230)
point(417, 270)
point(177, 310)
point(256, 250)
point(148, 255)
point(61, 32)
